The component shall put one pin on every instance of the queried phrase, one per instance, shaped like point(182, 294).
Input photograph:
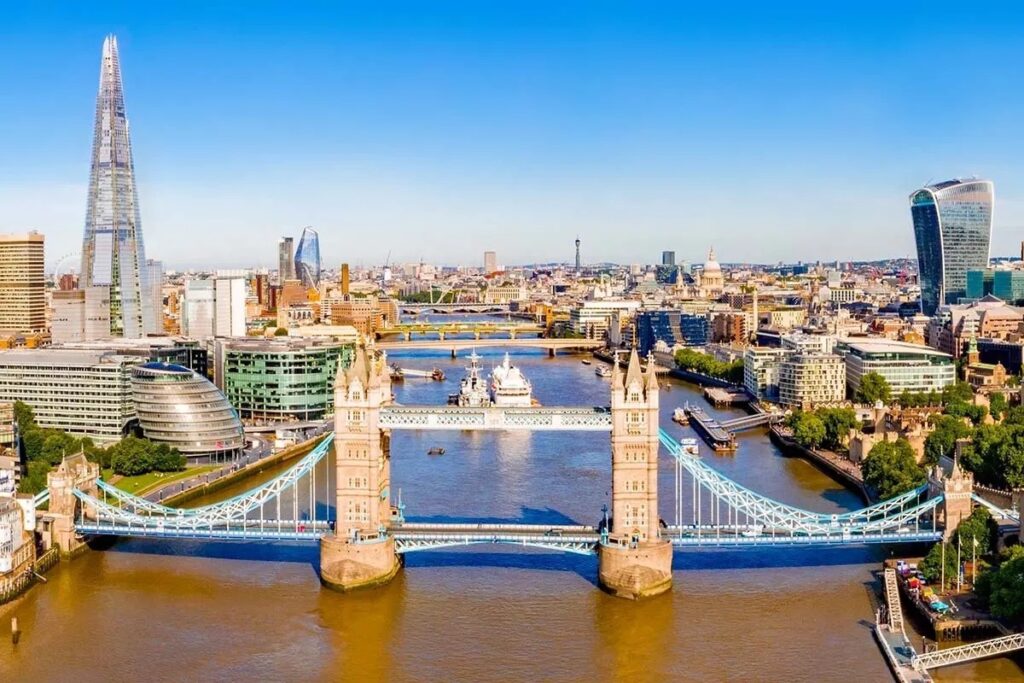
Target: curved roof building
point(307, 259)
point(953, 231)
point(183, 409)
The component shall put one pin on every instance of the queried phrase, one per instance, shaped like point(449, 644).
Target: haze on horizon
point(436, 132)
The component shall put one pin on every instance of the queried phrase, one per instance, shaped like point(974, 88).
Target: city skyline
point(639, 148)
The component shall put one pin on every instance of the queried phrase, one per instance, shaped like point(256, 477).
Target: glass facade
point(307, 259)
point(979, 283)
point(177, 407)
point(281, 381)
point(1008, 285)
point(113, 254)
point(671, 327)
point(953, 229)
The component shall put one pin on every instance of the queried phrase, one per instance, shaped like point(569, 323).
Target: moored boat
point(509, 387)
point(602, 371)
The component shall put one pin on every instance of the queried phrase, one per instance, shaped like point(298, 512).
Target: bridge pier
point(361, 552)
point(633, 560)
point(347, 565)
point(635, 572)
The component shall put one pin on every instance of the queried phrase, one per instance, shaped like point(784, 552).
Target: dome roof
point(711, 265)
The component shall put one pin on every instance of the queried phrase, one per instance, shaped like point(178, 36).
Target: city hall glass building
point(953, 229)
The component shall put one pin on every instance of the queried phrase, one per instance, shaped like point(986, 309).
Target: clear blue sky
point(437, 130)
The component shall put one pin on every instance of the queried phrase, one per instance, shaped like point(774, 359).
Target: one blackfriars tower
point(113, 255)
point(307, 259)
point(953, 230)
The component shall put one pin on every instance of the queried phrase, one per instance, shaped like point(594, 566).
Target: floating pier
point(718, 437)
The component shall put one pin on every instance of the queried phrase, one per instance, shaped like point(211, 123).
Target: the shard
point(113, 254)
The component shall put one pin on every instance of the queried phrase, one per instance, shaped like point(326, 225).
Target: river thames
point(184, 611)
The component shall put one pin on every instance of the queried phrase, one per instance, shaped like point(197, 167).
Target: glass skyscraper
point(953, 229)
point(307, 259)
point(113, 254)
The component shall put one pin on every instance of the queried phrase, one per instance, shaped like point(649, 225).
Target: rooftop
point(58, 356)
point(880, 345)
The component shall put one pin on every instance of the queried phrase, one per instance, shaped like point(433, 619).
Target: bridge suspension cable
point(890, 516)
point(134, 510)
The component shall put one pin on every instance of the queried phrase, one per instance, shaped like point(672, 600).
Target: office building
point(1008, 354)
point(761, 371)
point(906, 367)
point(155, 275)
point(953, 229)
point(113, 255)
point(979, 283)
point(80, 315)
point(178, 407)
point(229, 307)
point(285, 261)
point(22, 283)
point(490, 262)
point(592, 318)
point(83, 392)
point(345, 280)
point(198, 309)
point(281, 379)
point(1008, 285)
point(807, 380)
point(668, 258)
point(307, 259)
point(670, 327)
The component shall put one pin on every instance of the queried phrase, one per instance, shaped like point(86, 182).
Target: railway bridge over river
point(364, 534)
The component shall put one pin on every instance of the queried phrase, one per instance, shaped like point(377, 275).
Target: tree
point(997, 404)
point(281, 332)
point(873, 387)
point(1006, 589)
point(942, 441)
point(997, 455)
point(890, 469)
point(24, 416)
point(980, 527)
point(838, 423)
point(808, 429)
point(931, 565)
point(1014, 416)
point(960, 391)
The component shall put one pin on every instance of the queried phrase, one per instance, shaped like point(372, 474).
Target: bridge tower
point(360, 552)
point(74, 472)
point(956, 489)
point(634, 561)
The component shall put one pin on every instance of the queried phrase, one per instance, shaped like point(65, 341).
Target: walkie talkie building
point(953, 230)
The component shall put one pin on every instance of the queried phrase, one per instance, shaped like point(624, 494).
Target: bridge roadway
point(413, 536)
point(454, 345)
point(494, 418)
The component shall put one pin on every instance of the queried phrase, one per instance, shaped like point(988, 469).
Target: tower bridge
point(364, 534)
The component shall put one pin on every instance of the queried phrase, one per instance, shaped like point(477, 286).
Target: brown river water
point(201, 611)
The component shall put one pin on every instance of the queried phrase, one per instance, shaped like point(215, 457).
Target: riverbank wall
point(838, 468)
point(284, 455)
point(28, 575)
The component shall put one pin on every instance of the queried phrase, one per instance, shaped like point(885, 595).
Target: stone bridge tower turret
point(361, 551)
point(635, 561)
